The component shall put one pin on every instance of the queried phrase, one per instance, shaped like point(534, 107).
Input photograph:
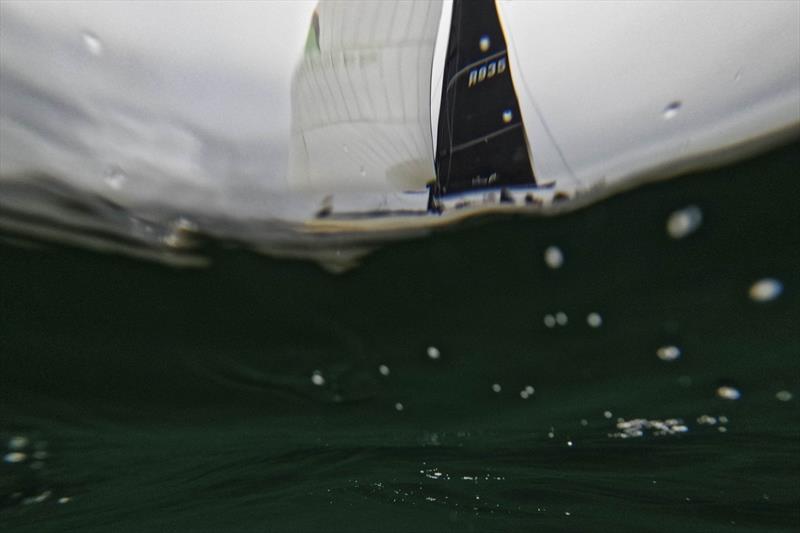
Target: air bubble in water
point(14, 457)
point(384, 370)
point(727, 392)
point(668, 353)
point(684, 222)
point(398, 406)
point(317, 379)
point(496, 387)
point(783, 395)
point(433, 352)
point(553, 257)
point(561, 318)
point(17, 442)
point(765, 290)
point(549, 321)
point(594, 320)
point(671, 110)
point(92, 43)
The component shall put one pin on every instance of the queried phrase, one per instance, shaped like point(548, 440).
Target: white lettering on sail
point(487, 71)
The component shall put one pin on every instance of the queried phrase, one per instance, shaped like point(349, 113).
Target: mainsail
point(361, 97)
point(481, 137)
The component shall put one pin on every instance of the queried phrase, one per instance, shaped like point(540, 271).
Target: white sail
point(614, 90)
point(361, 97)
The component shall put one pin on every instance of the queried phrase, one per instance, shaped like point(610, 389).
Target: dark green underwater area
point(449, 383)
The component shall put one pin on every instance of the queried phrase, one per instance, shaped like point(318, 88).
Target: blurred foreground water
point(631, 366)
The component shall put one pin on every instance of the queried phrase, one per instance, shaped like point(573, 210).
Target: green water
point(172, 399)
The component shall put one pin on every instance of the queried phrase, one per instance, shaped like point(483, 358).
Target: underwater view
point(384, 266)
point(632, 366)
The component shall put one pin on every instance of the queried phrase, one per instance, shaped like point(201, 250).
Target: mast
point(481, 140)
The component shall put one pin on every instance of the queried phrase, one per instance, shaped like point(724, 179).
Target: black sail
point(481, 139)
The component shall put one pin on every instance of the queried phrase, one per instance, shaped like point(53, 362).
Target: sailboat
point(442, 104)
point(362, 112)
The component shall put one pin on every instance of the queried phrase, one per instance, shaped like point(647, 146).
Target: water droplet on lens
point(496, 387)
point(384, 370)
point(783, 395)
point(317, 379)
point(765, 290)
point(671, 110)
point(433, 352)
point(668, 353)
point(92, 43)
point(684, 222)
point(727, 392)
point(182, 234)
point(115, 178)
point(594, 320)
point(553, 257)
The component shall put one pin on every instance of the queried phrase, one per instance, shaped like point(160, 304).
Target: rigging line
point(546, 127)
point(485, 138)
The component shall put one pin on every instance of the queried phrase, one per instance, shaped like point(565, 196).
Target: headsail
point(481, 137)
point(361, 97)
